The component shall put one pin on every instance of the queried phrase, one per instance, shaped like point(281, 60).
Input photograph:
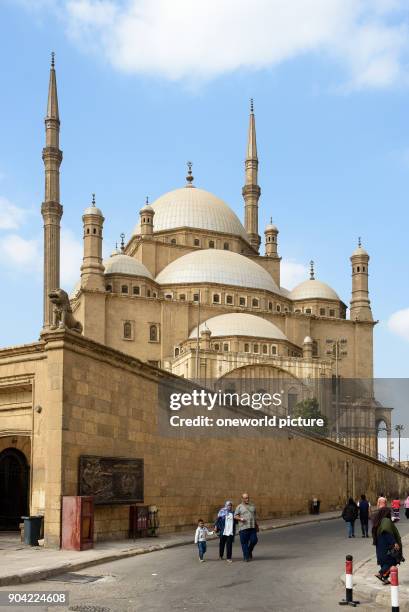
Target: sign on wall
point(111, 480)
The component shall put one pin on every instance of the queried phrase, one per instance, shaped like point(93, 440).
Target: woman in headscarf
point(225, 527)
point(388, 543)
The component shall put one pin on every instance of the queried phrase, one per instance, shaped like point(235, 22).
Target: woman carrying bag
point(388, 543)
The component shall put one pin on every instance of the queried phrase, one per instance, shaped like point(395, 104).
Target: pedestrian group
point(228, 521)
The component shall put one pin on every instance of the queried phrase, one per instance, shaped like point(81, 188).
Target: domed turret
point(146, 219)
point(271, 234)
point(360, 304)
point(92, 270)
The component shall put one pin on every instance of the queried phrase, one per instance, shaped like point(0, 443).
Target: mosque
point(192, 296)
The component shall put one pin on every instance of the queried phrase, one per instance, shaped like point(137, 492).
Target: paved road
point(296, 568)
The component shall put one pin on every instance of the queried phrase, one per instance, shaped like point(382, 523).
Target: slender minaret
point(51, 208)
point(251, 190)
point(360, 304)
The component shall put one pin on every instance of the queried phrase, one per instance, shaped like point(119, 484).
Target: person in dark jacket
point(225, 527)
point(388, 543)
point(364, 509)
point(350, 514)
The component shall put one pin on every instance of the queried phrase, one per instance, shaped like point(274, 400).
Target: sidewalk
point(21, 564)
point(369, 588)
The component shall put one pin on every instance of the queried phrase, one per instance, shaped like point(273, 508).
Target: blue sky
point(143, 88)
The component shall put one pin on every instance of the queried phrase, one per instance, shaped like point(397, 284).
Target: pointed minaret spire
point(52, 105)
point(251, 190)
point(122, 236)
point(51, 208)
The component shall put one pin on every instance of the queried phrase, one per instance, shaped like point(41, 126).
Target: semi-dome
point(313, 289)
point(195, 208)
point(119, 263)
point(217, 266)
point(240, 324)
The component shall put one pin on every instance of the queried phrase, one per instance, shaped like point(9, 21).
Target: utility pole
point(399, 429)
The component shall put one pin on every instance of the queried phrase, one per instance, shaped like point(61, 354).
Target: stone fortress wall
point(78, 397)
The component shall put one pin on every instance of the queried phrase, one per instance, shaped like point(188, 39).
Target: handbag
point(394, 553)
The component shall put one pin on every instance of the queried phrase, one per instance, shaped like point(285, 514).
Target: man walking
point(364, 509)
point(246, 515)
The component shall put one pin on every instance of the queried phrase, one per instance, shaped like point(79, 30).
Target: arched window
point(265, 349)
point(211, 244)
point(255, 302)
point(108, 288)
point(246, 348)
point(242, 301)
point(128, 330)
point(255, 348)
point(216, 298)
point(124, 289)
point(274, 350)
point(270, 305)
point(278, 308)
point(225, 347)
point(173, 241)
point(196, 242)
point(94, 231)
point(229, 299)
point(148, 293)
point(153, 333)
point(176, 352)
point(226, 246)
point(136, 290)
point(308, 311)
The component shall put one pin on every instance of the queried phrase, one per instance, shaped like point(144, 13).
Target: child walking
point(200, 538)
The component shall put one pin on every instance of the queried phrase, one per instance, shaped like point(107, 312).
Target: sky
point(146, 85)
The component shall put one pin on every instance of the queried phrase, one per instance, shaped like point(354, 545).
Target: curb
point(24, 577)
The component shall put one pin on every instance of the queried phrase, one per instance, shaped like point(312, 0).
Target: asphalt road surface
point(296, 568)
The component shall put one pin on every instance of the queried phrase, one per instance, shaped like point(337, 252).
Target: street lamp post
point(335, 351)
point(399, 429)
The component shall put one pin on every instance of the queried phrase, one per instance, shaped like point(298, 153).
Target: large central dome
point(217, 267)
point(195, 208)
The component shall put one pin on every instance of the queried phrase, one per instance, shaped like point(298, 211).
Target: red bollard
point(349, 599)
point(394, 589)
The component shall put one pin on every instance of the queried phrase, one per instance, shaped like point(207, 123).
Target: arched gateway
point(13, 488)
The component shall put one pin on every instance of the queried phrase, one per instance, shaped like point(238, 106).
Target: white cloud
point(11, 216)
point(21, 253)
point(292, 273)
point(201, 40)
point(398, 323)
point(25, 256)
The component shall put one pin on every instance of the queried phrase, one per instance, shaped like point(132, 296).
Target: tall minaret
point(360, 304)
point(51, 208)
point(251, 190)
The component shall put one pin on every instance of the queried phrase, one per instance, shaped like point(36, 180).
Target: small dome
point(146, 209)
point(360, 251)
point(313, 289)
point(195, 208)
point(271, 228)
point(119, 263)
point(307, 340)
point(217, 266)
point(240, 324)
point(93, 210)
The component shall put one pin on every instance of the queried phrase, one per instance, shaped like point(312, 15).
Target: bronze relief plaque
point(111, 480)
